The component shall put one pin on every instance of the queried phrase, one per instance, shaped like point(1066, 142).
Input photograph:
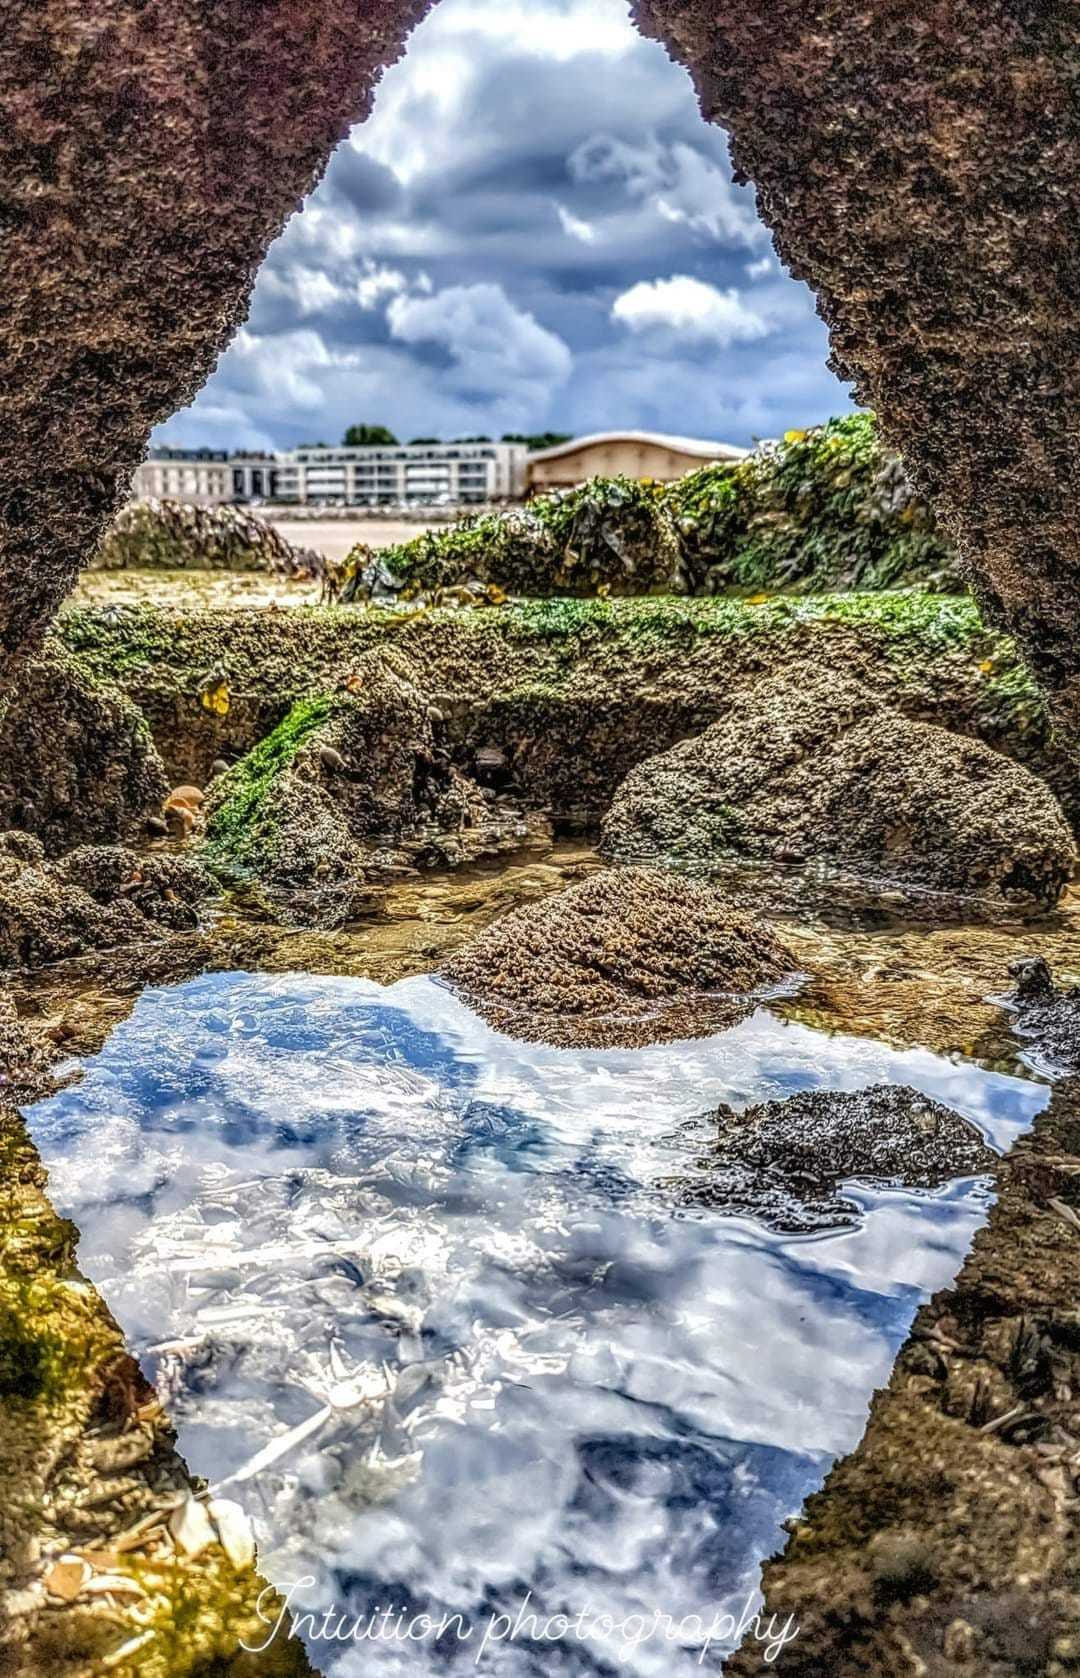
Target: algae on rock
point(826, 508)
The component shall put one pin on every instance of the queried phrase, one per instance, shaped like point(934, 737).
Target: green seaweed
point(241, 822)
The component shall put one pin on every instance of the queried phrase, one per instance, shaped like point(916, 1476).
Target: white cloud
point(575, 227)
point(684, 186)
point(376, 282)
point(689, 308)
point(496, 350)
point(763, 265)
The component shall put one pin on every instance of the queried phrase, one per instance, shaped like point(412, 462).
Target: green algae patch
point(242, 821)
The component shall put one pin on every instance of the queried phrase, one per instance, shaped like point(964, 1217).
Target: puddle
point(414, 1293)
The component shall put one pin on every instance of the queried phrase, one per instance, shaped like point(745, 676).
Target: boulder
point(631, 955)
point(76, 758)
point(352, 780)
point(96, 897)
point(181, 535)
point(803, 769)
point(782, 1162)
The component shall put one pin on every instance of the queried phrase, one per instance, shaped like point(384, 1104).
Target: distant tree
point(313, 445)
point(539, 439)
point(414, 442)
point(471, 439)
point(368, 436)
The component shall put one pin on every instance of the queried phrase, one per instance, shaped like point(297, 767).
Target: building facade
point(208, 477)
point(630, 454)
point(416, 474)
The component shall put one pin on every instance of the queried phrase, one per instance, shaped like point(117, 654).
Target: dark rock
point(821, 769)
point(783, 1161)
point(630, 955)
point(1045, 1014)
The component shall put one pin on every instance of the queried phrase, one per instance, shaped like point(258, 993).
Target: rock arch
point(919, 164)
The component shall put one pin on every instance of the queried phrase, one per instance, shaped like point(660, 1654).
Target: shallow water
point(440, 1270)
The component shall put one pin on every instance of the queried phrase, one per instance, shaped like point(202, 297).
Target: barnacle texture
point(920, 166)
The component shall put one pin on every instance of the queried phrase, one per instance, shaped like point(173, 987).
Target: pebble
point(157, 825)
point(332, 760)
point(191, 1527)
point(219, 767)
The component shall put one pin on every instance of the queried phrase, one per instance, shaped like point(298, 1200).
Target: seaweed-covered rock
point(95, 897)
point(179, 536)
point(783, 1161)
point(803, 769)
point(630, 955)
point(826, 508)
point(76, 758)
point(615, 535)
point(345, 775)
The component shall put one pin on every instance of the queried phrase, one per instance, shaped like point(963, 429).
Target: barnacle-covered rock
point(631, 955)
point(179, 535)
point(782, 1162)
point(95, 897)
point(809, 769)
point(76, 758)
point(348, 775)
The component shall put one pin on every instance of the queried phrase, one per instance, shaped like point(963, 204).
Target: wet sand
point(333, 538)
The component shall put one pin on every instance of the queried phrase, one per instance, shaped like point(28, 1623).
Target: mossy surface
point(242, 819)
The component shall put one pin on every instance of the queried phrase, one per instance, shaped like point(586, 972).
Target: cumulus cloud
point(682, 185)
point(534, 216)
point(689, 308)
point(496, 351)
point(376, 282)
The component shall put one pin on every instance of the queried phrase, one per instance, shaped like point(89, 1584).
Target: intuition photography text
point(286, 1615)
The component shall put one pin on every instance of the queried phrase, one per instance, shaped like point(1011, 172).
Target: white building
point(208, 477)
point(409, 474)
point(415, 474)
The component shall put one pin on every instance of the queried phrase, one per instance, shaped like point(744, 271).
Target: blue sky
point(535, 230)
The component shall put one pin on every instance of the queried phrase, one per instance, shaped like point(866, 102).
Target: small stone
point(191, 1527)
point(191, 796)
point(332, 760)
point(218, 767)
point(234, 1530)
point(67, 1578)
point(157, 825)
